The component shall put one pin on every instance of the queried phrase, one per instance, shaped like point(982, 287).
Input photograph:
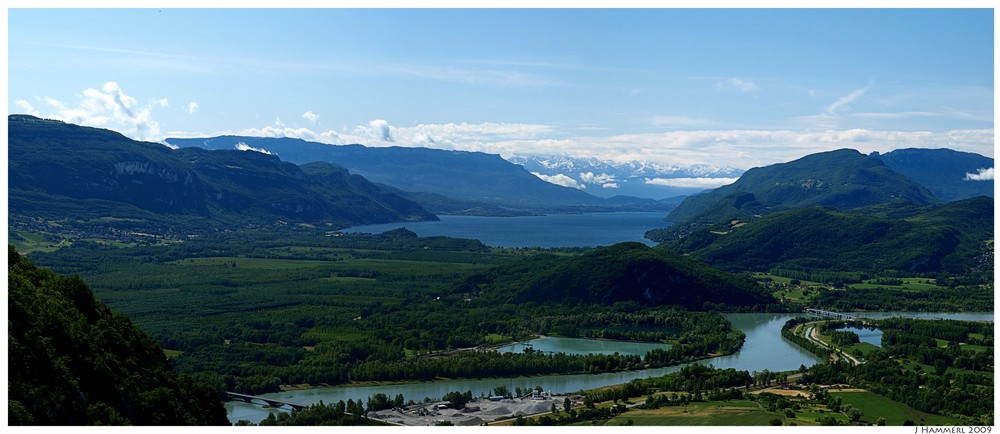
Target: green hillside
point(72, 361)
point(83, 177)
point(943, 171)
point(843, 179)
point(949, 238)
point(625, 272)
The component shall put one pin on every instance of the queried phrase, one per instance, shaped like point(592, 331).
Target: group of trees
point(73, 361)
point(896, 370)
point(971, 298)
point(808, 345)
point(336, 309)
point(340, 414)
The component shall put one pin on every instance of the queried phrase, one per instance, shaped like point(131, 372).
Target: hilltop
point(624, 272)
point(843, 179)
point(945, 172)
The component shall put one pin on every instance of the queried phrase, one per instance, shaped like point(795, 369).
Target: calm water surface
point(550, 344)
point(869, 335)
point(555, 230)
point(764, 349)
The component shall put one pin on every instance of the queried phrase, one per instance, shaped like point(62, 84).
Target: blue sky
point(734, 87)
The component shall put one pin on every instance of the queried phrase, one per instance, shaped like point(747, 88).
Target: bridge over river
point(270, 401)
point(831, 314)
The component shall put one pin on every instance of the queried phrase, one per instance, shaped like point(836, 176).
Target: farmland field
point(736, 413)
point(893, 412)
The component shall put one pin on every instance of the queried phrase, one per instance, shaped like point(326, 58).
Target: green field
point(860, 349)
point(875, 406)
point(784, 280)
point(736, 413)
point(909, 283)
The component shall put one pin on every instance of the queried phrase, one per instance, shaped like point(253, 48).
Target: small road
point(813, 335)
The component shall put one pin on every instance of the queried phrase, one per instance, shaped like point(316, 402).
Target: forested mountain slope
point(843, 179)
point(951, 237)
point(72, 361)
point(75, 174)
point(624, 272)
point(944, 172)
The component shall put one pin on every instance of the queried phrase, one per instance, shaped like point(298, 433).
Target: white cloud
point(744, 86)
point(591, 178)
point(740, 149)
point(26, 107)
point(162, 102)
point(245, 147)
point(610, 185)
point(192, 107)
point(111, 108)
point(378, 129)
point(845, 100)
point(560, 179)
point(310, 116)
point(691, 182)
point(981, 175)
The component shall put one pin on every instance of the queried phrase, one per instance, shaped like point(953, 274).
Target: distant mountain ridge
point(843, 179)
point(633, 178)
point(945, 172)
point(477, 179)
point(64, 171)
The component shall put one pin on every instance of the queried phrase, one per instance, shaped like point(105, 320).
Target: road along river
point(764, 348)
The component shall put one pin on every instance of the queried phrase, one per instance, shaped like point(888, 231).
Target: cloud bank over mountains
point(110, 107)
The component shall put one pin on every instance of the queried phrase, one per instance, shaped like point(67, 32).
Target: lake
point(554, 230)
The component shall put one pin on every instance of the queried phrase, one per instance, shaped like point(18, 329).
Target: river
point(764, 348)
point(551, 344)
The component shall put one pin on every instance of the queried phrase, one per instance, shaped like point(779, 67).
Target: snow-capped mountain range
point(630, 178)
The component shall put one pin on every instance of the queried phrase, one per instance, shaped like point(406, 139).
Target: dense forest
point(73, 361)
point(937, 366)
point(843, 179)
point(331, 308)
point(953, 238)
point(622, 272)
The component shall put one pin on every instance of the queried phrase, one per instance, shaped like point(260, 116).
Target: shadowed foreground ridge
point(72, 361)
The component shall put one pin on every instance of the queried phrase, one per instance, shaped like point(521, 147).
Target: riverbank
point(436, 380)
point(763, 348)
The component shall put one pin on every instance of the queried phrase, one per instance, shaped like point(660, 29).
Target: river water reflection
point(764, 348)
point(551, 345)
